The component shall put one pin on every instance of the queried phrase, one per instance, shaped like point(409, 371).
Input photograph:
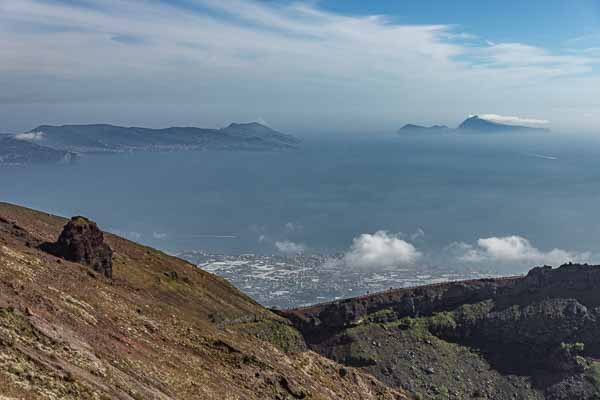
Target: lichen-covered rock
point(81, 241)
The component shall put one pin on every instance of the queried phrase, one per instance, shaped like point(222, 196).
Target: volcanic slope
point(159, 329)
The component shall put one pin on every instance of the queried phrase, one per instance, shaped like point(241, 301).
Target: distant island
point(53, 144)
point(418, 129)
point(476, 124)
point(473, 124)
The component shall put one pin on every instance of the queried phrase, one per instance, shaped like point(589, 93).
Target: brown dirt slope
point(161, 329)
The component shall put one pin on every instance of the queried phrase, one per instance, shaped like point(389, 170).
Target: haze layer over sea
point(498, 204)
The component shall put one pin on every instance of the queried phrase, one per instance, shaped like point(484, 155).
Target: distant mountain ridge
point(473, 124)
point(49, 144)
point(112, 138)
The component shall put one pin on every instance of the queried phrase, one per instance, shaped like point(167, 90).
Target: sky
point(299, 66)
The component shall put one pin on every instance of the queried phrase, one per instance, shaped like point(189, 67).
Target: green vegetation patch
point(470, 313)
point(591, 372)
point(278, 333)
point(576, 347)
point(382, 316)
point(13, 324)
point(424, 326)
point(440, 322)
point(79, 220)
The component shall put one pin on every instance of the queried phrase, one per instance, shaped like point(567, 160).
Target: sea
point(445, 195)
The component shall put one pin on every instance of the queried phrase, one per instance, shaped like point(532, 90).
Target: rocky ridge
point(535, 336)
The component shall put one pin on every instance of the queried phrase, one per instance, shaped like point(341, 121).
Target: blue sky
point(548, 23)
point(330, 65)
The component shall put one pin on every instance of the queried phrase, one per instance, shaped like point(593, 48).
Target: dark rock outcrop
point(533, 336)
point(323, 320)
point(570, 281)
point(81, 241)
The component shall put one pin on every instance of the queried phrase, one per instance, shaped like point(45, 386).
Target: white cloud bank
point(513, 120)
point(30, 136)
point(513, 249)
point(290, 248)
point(380, 250)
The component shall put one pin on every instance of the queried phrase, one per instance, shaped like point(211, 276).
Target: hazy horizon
point(473, 201)
point(300, 67)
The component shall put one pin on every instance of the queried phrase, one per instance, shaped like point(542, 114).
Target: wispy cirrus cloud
point(242, 58)
point(519, 56)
